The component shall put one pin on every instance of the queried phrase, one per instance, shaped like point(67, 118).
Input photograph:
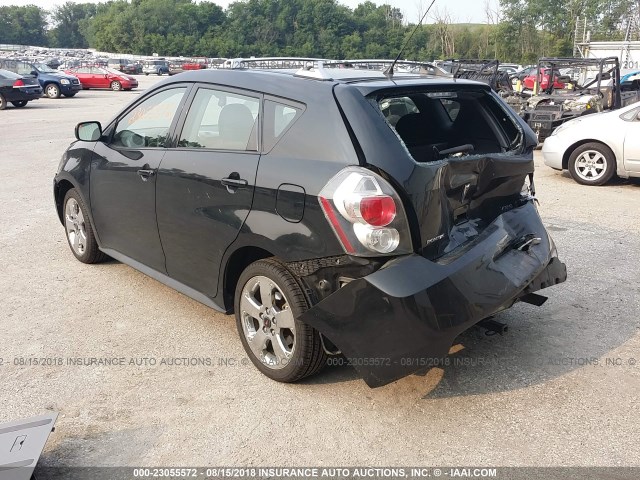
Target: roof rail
point(271, 63)
point(316, 71)
point(381, 64)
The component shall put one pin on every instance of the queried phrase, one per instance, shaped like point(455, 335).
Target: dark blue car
point(53, 83)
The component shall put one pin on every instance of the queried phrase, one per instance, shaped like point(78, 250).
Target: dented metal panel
point(405, 316)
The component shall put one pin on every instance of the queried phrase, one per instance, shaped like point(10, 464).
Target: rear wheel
point(20, 103)
point(3, 102)
point(116, 85)
point(268, 303)
point(52, 91)
point(79, 229)
point(592, 164)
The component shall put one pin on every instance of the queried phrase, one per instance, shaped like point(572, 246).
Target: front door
point(205, 185)
point(123, 178)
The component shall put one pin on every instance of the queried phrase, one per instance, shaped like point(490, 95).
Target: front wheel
point(20, 104)
point(592, 164)
point(116, 86)
point(268, 303)
point(70, 95)
point(79, 229)
point(52, 91)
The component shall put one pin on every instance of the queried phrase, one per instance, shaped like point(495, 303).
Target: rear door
point(99, 78)
point(205, 184)
point(84, 75)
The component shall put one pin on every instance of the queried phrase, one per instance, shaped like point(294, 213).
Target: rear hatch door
point(457, 155)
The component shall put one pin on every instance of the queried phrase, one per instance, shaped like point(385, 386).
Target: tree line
point(516, 31)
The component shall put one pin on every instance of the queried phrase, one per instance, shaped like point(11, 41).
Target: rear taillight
point(366, 213)
point(18, 83)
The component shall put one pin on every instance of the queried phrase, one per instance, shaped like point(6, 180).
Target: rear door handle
point(233, 182)
point(146, 173)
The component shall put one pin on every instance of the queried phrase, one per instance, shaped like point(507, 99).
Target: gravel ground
point(559, 389)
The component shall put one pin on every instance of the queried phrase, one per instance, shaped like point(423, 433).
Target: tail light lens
point(365, 213)
point(18, 83)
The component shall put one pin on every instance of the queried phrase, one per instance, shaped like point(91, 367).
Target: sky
point(460, 11)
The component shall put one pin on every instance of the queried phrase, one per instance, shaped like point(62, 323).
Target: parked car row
point(53, 83)
point(19, 79)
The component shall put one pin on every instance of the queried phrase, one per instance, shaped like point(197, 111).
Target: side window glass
point(222, 121)
point(278, 118)
point(147, 125)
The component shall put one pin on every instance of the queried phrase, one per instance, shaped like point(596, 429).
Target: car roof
point(299, 83)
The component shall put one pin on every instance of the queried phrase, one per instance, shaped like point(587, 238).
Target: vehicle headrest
point(235, 125)
point(411, 128)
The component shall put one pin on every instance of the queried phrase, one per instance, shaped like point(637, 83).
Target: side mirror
point(89, 131)
point(564, 79)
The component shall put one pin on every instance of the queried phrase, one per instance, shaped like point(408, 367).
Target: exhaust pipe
point(493, 327)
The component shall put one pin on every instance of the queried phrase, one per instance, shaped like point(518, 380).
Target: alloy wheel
point(267, 322)
point(75, 226)
point(590, 165)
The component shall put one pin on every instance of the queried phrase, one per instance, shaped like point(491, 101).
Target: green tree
point(23, 25)
point(70, 25)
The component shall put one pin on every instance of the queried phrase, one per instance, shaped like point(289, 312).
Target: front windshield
point(42, 68)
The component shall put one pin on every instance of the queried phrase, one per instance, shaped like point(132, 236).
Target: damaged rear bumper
point(406, 315)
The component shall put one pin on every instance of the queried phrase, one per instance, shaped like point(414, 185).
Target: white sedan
point(595, 147)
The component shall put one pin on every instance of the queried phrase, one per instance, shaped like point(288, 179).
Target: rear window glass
point(437, 124)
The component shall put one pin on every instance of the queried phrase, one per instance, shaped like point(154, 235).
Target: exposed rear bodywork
point(461, 162)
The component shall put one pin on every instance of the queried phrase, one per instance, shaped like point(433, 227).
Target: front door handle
point(146, 173)
point(233, 181)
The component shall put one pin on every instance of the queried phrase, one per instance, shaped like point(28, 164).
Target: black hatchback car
point(296, 201)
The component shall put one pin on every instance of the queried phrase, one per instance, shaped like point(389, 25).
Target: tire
point(592, 164)
point(3, 102)
point(116, 86)
point(70, 95)
point(285, 350)
point(79, 230)
point(52, 90)
point(20, 104)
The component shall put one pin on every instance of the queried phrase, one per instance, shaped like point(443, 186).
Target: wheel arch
point(238, 261)
point(60, 190)
point(571, 149)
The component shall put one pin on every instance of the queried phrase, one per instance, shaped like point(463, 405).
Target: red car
point(99, 77)
point(544, 82)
